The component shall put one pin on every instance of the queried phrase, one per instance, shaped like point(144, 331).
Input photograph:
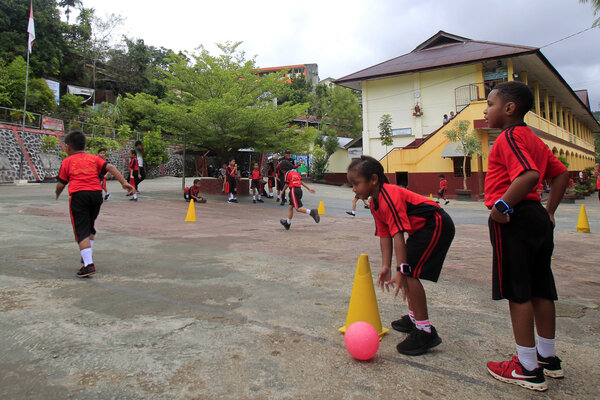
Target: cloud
point(346, 36)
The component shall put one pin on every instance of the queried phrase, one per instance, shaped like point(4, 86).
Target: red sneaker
point(513, 372)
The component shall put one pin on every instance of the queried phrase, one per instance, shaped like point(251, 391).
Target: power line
point(567, 37)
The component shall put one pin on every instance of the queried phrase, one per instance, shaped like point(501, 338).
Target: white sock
point(91, 243)
point(307, 211)
point(253, 197)
point(423, 325)
point(353, 213)
point(288, 221)
point(135, 195)
point(86, 254)
point(527, 357)
point(545, 347)
point(411, 315)
point(230, 196)
point(259, 196)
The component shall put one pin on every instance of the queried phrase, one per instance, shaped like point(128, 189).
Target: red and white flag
point(31, 28)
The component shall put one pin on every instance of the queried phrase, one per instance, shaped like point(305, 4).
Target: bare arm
point(558, 185)
point(59, 188)
point(115, 172)
point(517, 190)
point(386, 245)
point(306, 186)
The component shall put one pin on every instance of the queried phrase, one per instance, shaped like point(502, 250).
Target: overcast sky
point(344, 36)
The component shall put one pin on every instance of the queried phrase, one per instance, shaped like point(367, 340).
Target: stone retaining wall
point(38, 165)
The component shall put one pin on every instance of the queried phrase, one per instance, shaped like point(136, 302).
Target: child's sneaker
point(254, 201)
point(202, 201)
point(107, 196)
point(260, 200)
point(133, 199)
point(513, 372)
point(283, 202)
point(403, 324)
point(285, 224)
point(86, 271)
point(418, 342)
point(350, 213)
point(315, 214)
point(552, 366)
point(447, 202)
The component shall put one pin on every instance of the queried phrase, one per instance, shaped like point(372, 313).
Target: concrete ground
point(235, 307)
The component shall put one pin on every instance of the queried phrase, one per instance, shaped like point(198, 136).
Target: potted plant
point(470, 146)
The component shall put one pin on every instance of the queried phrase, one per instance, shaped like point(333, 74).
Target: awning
point(452, 150)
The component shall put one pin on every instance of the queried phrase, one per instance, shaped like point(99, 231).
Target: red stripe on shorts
point(294, 201)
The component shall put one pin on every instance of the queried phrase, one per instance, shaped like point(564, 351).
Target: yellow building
point(452, 75)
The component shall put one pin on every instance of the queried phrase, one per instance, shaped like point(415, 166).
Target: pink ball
point(361, 340)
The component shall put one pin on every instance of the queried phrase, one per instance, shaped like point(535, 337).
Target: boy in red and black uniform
point(103, 177)
point(193, 192)
point(521, 232)
point(443, 189)
point(293, 181)
point(231, 181)
point(271, 178)
point(134, 176)
point(430, 232)
point(81, 171)
point(255, 184)
point(287, 156)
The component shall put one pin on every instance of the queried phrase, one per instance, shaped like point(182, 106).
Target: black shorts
point(84, 207)
point(255, 184)
point(280, 184)
point(426, 249)
point(522, 254)
point(296, 197)
point(442, 193)
point(232, 185)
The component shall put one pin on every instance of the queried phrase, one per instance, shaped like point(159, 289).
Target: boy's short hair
point(76, 140)
point(442, 176)
point(231, 159)
point(518, 93)
point(102, 150)
point(196, 181)
point(132, 152)
point(285, 165)
point(137, 142)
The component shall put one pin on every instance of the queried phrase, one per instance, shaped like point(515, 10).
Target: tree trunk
point(465, 172)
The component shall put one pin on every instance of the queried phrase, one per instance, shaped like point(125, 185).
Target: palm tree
point(69, 4)
point(596, 6)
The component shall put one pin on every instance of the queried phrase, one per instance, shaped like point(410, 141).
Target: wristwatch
point(404, 269)
point(504, 208)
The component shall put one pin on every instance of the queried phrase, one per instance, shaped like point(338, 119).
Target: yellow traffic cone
point(363, 303)
point(191, 214)
point(582, 222)
point(321, 208)
point(430, 196)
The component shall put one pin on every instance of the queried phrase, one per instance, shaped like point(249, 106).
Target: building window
point(458, 167)
point(402, 132)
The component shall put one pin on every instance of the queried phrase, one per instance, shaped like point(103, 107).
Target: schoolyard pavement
point(235, 307)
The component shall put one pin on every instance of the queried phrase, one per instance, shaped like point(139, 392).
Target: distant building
point(310, 72)
point(452, 74)
point(329, 82)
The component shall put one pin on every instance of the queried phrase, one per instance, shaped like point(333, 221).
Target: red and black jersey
point(443, 184)
point(229, 172)
point(82, 172)
point(255, 174)
point(194, 191)
point(133, 164)
point(517, 150)
point(293, 179)
point(399, 210)
point(271, 173)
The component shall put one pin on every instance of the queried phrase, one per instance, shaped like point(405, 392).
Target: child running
point(134, 176)
point(443, 190)
point(231, 183)
point(193, 192)
point(354, 201)
point(255, 185)
point(521, 232)
point(103, 177)
point(430, 232)
point(293, 181)
point(81, 171)
point(271, 178)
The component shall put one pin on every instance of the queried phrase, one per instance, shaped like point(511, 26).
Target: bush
point(71, 104)
point(319, 162)
point(50, 143)
point(155, 148)
point(96, 143)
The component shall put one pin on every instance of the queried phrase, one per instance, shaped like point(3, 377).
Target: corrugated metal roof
point(441, 50)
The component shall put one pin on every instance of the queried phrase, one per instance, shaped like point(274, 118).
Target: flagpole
point(24, 112)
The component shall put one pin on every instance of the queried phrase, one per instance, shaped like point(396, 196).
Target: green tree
point(344, 111)
point(297, 91)
point(68, 4)
point(469, 143)
point(385, 134)
point(40, 98)
point(218, 103)
point(319, 161)
point(155, 148)
point(596, 6)
point(71, 105)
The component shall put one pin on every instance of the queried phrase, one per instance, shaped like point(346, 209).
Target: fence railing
point(464, 95)
point(11, 116)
